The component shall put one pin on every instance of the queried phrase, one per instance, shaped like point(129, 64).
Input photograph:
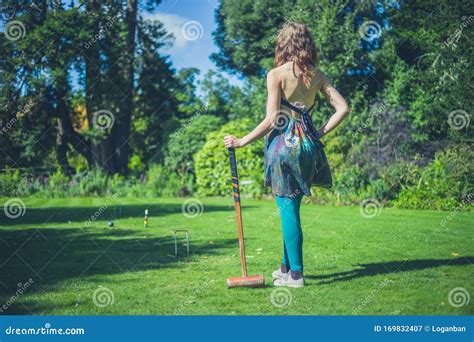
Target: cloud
point(173, 24)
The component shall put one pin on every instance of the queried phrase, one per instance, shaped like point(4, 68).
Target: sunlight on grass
point(400, 262)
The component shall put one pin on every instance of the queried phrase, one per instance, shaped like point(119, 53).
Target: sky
point(192, 23)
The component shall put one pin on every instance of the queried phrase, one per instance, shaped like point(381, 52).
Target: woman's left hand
point(231, 141)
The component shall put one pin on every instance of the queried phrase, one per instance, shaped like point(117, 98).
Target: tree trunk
point(61, 147)
point(93, 85)
point(65, 131)
point(122, 128)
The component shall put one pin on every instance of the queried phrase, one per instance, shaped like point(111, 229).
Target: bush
point(183, 144)
point(212, 163)
point(91, 183)
point(135, 164)
point(58, 184)
point(348, 186)
point(443, 184)
point(118, 184)
point(156, 182)
point(161, 182)
point(9, 182)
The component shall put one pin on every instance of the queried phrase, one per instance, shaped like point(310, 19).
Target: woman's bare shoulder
point(280, 71)
point(319, 75)
point(321, 78)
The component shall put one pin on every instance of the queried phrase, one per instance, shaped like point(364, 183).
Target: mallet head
point(250, 281)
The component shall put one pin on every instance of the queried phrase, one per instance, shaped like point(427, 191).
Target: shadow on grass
point(50, 256)
point(389, 268)
point(108, 211)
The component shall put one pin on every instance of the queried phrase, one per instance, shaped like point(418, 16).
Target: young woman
point(291, 148)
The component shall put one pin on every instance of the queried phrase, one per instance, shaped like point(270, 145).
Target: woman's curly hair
point(295, 43)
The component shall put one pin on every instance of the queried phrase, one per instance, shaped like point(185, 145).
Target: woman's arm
point(339, 104)
point(267, 124)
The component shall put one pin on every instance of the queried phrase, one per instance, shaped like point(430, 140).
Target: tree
point(99, 53)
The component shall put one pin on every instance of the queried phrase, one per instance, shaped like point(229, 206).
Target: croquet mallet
point(245, 280)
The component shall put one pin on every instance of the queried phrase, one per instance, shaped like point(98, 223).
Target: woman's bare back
point(294, 90)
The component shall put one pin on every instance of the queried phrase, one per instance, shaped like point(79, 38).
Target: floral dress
point(294, 155)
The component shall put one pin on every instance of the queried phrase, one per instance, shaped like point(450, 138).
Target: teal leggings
point(289, 208)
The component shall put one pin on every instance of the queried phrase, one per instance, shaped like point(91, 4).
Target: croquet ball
point(110, 224)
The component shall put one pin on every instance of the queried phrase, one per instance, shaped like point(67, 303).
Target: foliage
point(160, 182)
point(212, 163)
point(443, 184)
point(9, 182)
point(72, 54)
point(439, 54)
point(59, 183)
point(184, 143)
point(157, 181)
point(401, 144)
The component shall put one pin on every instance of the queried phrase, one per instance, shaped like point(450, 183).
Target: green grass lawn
point(401, 262)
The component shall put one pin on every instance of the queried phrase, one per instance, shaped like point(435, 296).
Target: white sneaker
point(278, 274)
point(289, 281)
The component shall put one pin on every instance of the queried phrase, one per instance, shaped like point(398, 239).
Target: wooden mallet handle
point(238, 212)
